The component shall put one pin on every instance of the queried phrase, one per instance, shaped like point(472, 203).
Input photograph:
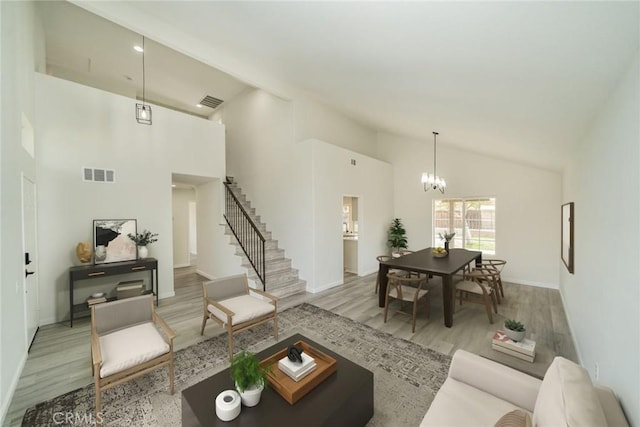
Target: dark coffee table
point(344, 399)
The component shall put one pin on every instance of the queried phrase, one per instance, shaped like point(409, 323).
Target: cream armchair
point(230, 302)
point(126, 344)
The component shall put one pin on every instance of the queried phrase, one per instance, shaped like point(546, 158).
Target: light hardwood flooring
point(59, 360)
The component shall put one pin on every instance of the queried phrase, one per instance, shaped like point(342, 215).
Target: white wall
point(81, 126)
point(315, 120)
point(334, 177)
point(271, 170)
point(527, 203)
point(216, 256)
point(20, 53)
point(602, 298)
point(181, 197)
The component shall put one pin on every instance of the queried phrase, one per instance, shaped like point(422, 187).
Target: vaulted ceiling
point(517, 80)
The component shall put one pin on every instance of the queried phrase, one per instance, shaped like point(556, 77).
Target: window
point(473, 221)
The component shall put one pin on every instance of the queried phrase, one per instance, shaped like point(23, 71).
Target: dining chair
point(479, 287)
point(498, 265)
point(407, 288)
point(381, 258)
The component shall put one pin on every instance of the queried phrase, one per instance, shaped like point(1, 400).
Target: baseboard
point(4, 408)
point(181, 265)
point(571, 330)
point(207, 275)
point(518, 281)
point(325, 287)
point(366, 273)
point(166, 295)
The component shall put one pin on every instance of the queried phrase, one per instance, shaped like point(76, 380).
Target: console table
point(85, 272)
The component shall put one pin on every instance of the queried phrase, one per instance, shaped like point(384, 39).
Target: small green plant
point(143, 239)
point(446, 236)
point(397, 235)
point(514, 325)
point(246, 371)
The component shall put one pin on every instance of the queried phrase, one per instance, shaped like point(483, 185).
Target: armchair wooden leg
point(275, 327)
point(230, 335)
point(98, 402)
point(204, 322)
point(171, 374)
point(386, 307)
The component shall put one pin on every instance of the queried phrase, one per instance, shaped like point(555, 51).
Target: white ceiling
point(517, 80)
point(93, 51)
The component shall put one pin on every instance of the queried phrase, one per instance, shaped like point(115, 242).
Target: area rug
point(406, 375)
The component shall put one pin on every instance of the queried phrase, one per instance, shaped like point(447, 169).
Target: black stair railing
point(246, 232)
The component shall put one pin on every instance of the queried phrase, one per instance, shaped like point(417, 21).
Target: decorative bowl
point(439, 254)
point(98, 295)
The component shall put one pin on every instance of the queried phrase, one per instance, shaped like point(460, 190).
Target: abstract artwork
point(110, 241)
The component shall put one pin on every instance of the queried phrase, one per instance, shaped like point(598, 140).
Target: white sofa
point(478, 392)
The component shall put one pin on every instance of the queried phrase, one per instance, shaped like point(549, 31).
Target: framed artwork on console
point(110, 241)
point(567, 236)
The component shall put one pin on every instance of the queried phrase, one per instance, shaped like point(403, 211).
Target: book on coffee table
point(297, 371)
point(525, 349)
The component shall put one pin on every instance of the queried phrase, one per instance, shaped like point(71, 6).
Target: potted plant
point(514, 330)
point(397, 236)
point(446, 237)
point(250, 377)
point(142, 240)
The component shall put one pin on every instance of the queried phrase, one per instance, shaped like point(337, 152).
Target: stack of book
point(525, 349)
point(93, 301)
point(132, 288)
point(297, 370)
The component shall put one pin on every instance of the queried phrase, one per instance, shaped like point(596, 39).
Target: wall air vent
point(210, 101)
point(98, 175)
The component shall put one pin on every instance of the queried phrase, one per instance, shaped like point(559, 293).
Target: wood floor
point(59, 360)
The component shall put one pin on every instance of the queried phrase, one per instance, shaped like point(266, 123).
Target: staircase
point(281, 280)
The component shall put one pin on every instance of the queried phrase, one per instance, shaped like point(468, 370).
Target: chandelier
point(143, 111)
point(433, 180)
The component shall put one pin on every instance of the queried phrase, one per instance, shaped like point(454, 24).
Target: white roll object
point(228, 405)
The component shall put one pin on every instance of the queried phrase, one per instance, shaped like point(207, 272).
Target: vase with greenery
point(142, 240)
point(514, 330)
point(447, 238)
point(250, 377)
point(397, 237)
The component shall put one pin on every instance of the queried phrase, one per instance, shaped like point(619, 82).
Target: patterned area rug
point(406, 375)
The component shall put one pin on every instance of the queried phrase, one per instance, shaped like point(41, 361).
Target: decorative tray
point(293, 391)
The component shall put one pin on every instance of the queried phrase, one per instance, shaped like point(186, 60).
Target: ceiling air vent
point(98, 175)
point(210, 101)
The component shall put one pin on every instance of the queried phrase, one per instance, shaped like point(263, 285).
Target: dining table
point(424, 261)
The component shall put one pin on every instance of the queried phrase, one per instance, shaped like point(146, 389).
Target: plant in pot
point(514, 330)
point(142, 240)
point(397, 237)
point(447, 238)
point(250, 377)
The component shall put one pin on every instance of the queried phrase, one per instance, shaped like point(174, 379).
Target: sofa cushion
point(459, 404)
point(130, 347)
point(567, 398)
point(245, 307)
point(515, 418)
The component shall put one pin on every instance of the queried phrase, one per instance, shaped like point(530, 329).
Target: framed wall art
point(110, 241)
point(567, 236)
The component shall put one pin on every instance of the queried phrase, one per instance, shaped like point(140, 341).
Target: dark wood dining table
point(423, 261)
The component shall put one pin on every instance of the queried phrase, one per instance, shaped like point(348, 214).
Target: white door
point(31, 307)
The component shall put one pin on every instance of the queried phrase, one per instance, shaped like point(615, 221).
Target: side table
point(87, 272)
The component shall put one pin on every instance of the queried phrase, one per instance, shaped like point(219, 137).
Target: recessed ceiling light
point(138, 48)
point(199, 105)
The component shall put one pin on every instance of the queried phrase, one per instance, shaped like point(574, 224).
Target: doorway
point(350, 235)
point(29, 239)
